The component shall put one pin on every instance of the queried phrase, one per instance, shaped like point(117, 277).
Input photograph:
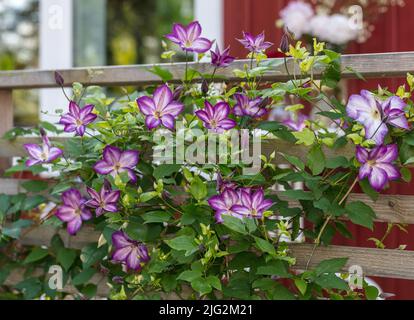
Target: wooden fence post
point(6, 121)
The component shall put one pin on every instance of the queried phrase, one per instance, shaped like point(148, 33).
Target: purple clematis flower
point(377, 165)
point(115, 162)
point(223, 184)
point(255, 44)
point(44, 153)
point(221, 59)
point(73, 211)
point(223, 204)
point(375, 115)
point(247, 107)
point(129, 252)
point(161, 109)
point(104, 201)
point(77, 119)
point(296, 123)
point(188, 37)
point(216, 118)
point(253, 204)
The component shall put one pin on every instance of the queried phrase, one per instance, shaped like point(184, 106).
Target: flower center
point(376, 115)
point(213, 123)
point(371, 163)
point(117, 166)
point(157, 114)
point(188, 44)
point(79, 122)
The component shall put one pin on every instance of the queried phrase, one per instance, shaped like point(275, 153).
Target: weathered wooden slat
point(6, 120)
point(374, 262)
point(17, 276)
point(376, 65)
point(9, 186)
point(389, 208)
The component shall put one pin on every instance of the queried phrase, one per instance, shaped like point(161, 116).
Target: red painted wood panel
point(392, 33)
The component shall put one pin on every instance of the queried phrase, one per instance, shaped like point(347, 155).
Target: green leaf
point(91, 254)
point(331, 281)
point(35, 255)
point(282, 293)
point(330, 266)
point(360, 214)
point(156, 217)
point(234, 224)
point(274, 268)
point(180, 243)
point(83, 277)
point(297, 194)
point(265, 246)
point(35, 185)
point(165, 170)
point(302, 285)
point(295, 161)
point(306, 137)
point(214, 281)
point(337, 162)
point(33, 202)
point(4, 204)
point(368, 190)
point(316, 160)
point(89, 290)
point(201, 286)
point(371, 293)
point(66, 258)
point(163, 73)
point(198, 188)
point(189, 275)
point(16, 227)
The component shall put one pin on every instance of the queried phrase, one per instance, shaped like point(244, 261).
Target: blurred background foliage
point(133, 31)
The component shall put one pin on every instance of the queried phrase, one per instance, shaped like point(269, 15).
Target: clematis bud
point(177, 92)
point(204, 87)
point(59, 79)
point(284, 43)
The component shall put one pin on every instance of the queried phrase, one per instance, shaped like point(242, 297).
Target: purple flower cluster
point(376, 115)
point(77, 119)
point(221, 59)
point(116, 161)
point(377, 165)
point(73, 210)
point(161, 109)
point(215, 117)
point(240, 203)
point(39, 154)
point(247, 107)
point(129, 252)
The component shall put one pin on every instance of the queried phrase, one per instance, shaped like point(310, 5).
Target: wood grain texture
point(6, 121)
point(376, 65)
point(374, 262)
point(389, 208)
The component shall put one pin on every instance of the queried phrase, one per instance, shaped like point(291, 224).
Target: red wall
point(392, 33)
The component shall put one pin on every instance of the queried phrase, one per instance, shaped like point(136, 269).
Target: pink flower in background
point(215, 117)
point(161, 109)
point(39, 154)
point(296, 122)
point(129, 252)
point(296, 17)
point(335, 29)
point(189, 37)
point(377, 165)
point(116, 161)
point(375, 115)
point(73, 210)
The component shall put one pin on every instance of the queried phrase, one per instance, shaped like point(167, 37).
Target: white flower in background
point(296, 17)
point(335, 29)
point(340, 30)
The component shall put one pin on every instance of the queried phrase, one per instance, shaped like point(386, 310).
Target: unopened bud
point(177, 92)
point(59, 79)
point(284, 43)
point(204, 87)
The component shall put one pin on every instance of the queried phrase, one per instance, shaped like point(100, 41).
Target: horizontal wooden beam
point(374, 262)
point(377, 65)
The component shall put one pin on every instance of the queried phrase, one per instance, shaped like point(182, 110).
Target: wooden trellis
point(389, 208)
